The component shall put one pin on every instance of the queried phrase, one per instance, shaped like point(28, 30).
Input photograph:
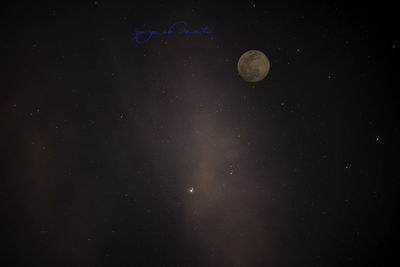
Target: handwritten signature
point(143, 37)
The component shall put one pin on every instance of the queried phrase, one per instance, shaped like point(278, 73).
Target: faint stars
point(348, 166)
point(230, 169)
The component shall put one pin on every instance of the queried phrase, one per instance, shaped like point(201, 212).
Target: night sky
point(120, 154)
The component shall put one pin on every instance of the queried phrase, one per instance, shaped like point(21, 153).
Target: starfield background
point(116, 154)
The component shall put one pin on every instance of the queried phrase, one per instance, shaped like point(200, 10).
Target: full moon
point(253, 66)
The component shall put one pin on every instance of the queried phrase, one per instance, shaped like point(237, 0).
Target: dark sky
point(102, 139)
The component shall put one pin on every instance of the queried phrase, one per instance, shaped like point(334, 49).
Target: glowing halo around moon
point(253, 66)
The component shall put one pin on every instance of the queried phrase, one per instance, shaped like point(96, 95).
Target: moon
point(253, 66)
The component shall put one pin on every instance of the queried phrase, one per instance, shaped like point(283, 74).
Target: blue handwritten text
point(143, 37)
